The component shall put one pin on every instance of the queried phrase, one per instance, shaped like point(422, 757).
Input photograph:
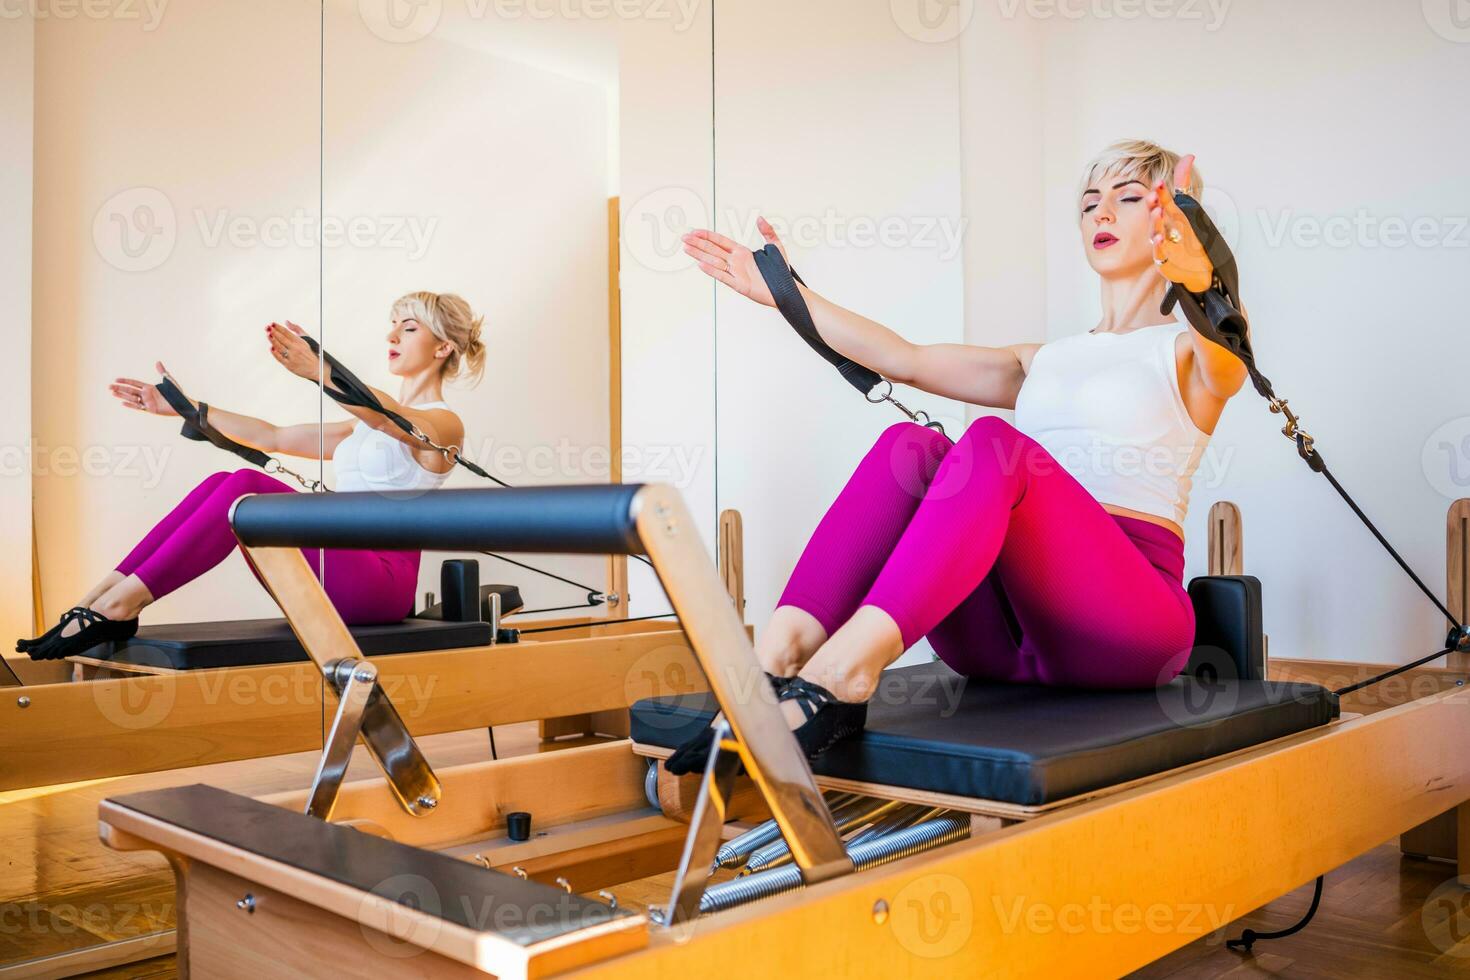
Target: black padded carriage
point(460, 620)
point(256, 642)
point(931, 729)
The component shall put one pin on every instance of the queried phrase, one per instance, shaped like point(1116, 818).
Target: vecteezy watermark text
point(149, 13)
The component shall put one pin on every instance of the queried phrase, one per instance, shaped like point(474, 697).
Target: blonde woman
point(433, 338)
point(1050, 551)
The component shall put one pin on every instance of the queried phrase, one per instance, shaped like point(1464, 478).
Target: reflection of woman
point(433, 338)
point(1005, 560)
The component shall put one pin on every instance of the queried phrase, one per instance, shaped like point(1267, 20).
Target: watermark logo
point(135, 230)
point(125, 461)
point(1209, 14)
point(149, 13)
point(408, 923)
point(679, 14)
point(933, 916)
point(653, 227)
point(135, 703)
point(932, 21)
point(1223, 211)
point(1362, 229)
point(668, 673)
point(401, 21)
point(1445, 458)
point(1200, 700)
point(1445, 918)
point(1450, 19)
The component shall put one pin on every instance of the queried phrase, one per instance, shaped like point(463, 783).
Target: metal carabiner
point(921, 417)
point(274, 466)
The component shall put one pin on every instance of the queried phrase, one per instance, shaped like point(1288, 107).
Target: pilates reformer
point(973, 829)
point(196, 694)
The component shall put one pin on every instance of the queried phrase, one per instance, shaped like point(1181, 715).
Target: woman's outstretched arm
point(988, 376)
point(439, 424)
point(293, 440)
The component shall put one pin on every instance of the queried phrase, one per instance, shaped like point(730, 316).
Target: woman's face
point(411, 347)
point(1116, 226)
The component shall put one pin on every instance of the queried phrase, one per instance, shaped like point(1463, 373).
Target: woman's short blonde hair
point(449, 318)
point(1138, 160)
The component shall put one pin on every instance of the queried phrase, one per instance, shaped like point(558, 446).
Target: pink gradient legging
point(1002, 559)
point(365, 586)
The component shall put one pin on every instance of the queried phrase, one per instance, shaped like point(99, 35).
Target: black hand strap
point(196, 425)
point(781, 280)
point(1215, 313)
point(351, 391)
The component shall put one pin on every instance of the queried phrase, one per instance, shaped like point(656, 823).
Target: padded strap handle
point(781, 280)
point(196, 425)
point(1215, 313)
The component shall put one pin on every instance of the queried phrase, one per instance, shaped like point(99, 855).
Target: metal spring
point(933, 833)
point(906, 817)
point(735, 851)
point(854, 813)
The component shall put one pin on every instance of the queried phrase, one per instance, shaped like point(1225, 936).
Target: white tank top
point(1108, 408)
point(371, 460)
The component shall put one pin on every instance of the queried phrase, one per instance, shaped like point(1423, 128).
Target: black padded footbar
point(576, 519)
point(930, 729)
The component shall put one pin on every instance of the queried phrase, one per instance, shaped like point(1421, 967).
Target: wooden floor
point(1382, 915)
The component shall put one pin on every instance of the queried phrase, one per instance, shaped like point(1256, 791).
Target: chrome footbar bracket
point(354, 681)
point(702, 843)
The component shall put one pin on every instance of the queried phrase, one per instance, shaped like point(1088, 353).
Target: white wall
point(17, 98)
point(1301, 114)
point(666, 165)
point(852, 144)
point(502, 167)
point(211, 112)
point(1001, 131)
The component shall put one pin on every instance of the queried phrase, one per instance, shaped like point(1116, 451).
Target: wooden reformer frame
point(1093, 886)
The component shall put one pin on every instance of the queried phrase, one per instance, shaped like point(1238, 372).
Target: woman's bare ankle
point(102, 588)
point(789, 640)
point(125, 600)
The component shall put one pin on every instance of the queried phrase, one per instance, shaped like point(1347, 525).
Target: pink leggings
point(365, 586)
point(1002, 559)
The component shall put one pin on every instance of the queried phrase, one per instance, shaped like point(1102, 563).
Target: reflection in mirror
point(169, 155)
point(473, 168)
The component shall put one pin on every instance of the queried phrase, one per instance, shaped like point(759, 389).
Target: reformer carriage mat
point(933, 730)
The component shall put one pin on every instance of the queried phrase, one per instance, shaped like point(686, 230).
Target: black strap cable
point(577, 626)
point(1248, 937)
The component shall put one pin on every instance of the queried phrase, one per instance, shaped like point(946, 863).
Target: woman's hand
point(1178, 252)
point(732, 263)
point(291, 352)
point(141, 396)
